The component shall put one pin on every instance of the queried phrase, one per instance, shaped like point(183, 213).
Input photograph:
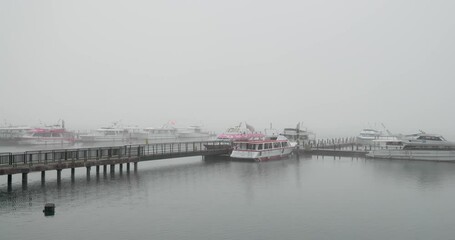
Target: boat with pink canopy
point(239, 133)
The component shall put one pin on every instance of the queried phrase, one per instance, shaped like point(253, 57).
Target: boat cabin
point(260, 145)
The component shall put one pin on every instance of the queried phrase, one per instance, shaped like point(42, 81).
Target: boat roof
point(261, 141)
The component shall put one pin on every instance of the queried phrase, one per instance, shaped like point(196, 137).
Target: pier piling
point(59, 175)
point(59, 159)
point(43, 177)
point(24, 180)
point(10, 182)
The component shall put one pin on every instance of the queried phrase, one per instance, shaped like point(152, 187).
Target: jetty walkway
point(46, 160)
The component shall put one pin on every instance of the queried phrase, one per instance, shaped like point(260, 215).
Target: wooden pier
point(336, 147)
point(46, 160)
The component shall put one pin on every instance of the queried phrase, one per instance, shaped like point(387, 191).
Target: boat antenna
point(387, 130)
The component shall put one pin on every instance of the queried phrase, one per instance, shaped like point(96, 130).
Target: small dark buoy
point(49, 209)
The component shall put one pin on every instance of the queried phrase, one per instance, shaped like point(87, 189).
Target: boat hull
point(262, 155)
point(423, 155)
point(45, 141)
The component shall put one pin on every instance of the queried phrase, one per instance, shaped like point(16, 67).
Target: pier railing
point(139, 152)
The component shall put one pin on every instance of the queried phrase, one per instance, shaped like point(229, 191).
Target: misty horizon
point(337, 67)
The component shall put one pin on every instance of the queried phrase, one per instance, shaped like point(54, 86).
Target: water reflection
point(424, 174)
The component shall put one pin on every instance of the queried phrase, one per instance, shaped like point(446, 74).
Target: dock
point(104, 157)
point(97, 157)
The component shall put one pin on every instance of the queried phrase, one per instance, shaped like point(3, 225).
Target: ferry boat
point(263, 149)
point(428, 147)
point(12, 134)
point(239, 133)
point(48, 135)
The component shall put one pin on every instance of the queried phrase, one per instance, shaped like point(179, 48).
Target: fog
point(336, 66)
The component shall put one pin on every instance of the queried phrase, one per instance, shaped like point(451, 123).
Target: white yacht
point(195, 132)
point(113, 133)
point(303, 138)
point(164, 133)
point(429, 147)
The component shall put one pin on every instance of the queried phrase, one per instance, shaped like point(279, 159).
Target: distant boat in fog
point(166, 132)
point(11, 134)
point(48, 135)
point(112, 133)
point(240, 132)
point(193, 132)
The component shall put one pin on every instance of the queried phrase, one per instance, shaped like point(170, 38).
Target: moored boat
point(302, 137)
point(193, 132)
point(113, 133)
point(239, 133)
point(262, 150)
point(48, 135)
point(12, 134)
point(427, 147)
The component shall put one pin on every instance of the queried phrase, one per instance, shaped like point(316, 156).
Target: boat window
point(56, 135)
point(431, 138)
point(276, 145)
point(260, 146)
point(285, 144)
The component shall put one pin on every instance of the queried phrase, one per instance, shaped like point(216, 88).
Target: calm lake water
point(190, 198)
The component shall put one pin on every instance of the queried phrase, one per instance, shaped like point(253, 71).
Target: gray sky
point(337, 66)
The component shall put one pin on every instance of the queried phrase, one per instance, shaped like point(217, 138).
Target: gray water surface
point(192, 198)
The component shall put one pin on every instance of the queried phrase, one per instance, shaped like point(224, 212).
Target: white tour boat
point(429, 147)
point(262, 149)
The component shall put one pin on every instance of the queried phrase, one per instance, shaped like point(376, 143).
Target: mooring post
point(10, 182)
point(59, 175)
point(88, 173)
point(135, 166)
point(128, 167)
point(120, 168)
point(97, 169)
point(105, 168)
point(43, 176)
point(24, 180)
point(112, 168)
